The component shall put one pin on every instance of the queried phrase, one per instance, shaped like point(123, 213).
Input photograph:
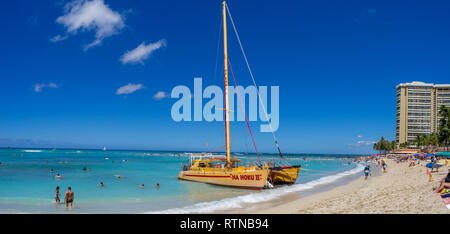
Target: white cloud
point(38, 87)
point(360, 136)
point(142, 52)
point(85, 15)
point(129, 88)
point(362, 143)
point(58, 38)
point(160, 95)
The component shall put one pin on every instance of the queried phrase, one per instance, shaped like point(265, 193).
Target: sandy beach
point(401, 189)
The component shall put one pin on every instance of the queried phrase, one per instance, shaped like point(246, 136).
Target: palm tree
point(384, 145)
point(393, 145)
point(375, 146)
point(420, 140)
point(433, 140)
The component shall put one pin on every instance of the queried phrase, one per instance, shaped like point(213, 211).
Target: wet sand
point(400, 190)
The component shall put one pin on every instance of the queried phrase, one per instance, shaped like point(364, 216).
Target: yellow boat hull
point(240, 177)
point(284, 175)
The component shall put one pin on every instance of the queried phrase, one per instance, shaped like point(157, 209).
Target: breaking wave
point(264, 196)
point(32, 151)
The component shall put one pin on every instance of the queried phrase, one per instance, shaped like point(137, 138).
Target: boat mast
point(225, 51)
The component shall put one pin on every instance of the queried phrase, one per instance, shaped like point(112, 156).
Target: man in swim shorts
point(69, 197)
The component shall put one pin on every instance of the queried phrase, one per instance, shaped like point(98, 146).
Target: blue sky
point(336, 62)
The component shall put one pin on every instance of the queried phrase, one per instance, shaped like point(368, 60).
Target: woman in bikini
point(445, 182)
point(57, 195)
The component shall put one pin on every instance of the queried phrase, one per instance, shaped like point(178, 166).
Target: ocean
point(27, 181)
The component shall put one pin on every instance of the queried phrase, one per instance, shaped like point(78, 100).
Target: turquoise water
point(28, 185)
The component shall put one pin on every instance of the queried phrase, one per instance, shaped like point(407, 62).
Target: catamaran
point(226, 171)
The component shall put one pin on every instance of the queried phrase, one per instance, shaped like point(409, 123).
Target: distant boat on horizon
point(104, 148)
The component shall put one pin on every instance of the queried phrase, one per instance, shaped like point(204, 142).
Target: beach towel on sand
point(447, 202)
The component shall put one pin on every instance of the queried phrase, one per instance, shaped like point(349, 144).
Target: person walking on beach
point(69, 197)
point(384, 165)
point(57, 195)
point(366, 171)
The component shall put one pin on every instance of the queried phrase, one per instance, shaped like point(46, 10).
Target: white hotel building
point(418, 108)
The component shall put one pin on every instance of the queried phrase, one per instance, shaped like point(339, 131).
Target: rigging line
point(254, 82)
point(243, 107)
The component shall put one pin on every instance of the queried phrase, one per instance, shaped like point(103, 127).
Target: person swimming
point(101, 184)
point(157, 185)
point(142, 186)
point(59, 177)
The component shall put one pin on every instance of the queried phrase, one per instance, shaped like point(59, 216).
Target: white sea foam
point(32, 151)
point(264, 196)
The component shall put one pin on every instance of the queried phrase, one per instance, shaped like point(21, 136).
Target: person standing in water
point(57, 195)
point(69, 197)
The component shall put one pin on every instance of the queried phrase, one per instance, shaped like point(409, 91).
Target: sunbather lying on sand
point(445, 182)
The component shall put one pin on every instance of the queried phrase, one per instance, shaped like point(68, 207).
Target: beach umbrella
point(443, 154)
